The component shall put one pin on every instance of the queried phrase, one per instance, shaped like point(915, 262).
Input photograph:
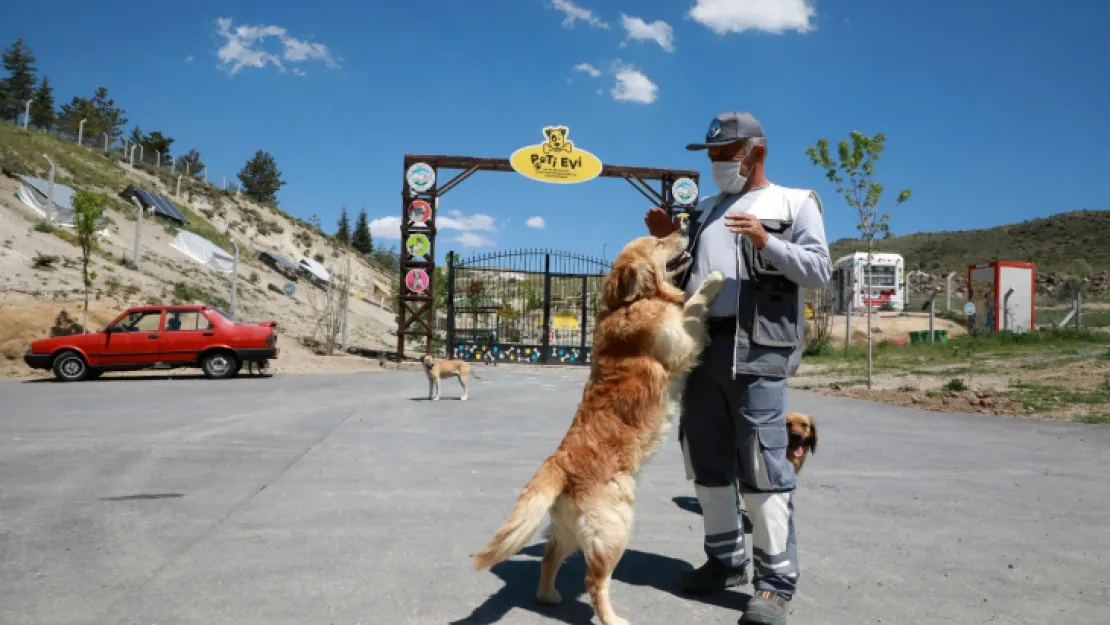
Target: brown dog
point(645, 342)
point(803, 438)
point(437, 369)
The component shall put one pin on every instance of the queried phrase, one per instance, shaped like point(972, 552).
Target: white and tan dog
point(437, 369)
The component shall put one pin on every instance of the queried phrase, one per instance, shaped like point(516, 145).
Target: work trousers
point(733, 433)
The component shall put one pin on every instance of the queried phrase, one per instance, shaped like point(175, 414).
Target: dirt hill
point(40, 263)
point(1064, 245)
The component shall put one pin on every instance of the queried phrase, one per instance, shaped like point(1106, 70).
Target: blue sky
point(995, 111)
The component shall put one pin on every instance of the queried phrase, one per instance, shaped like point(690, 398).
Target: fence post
point(585, 319)
point(450, 304)
point(1079, 308)
point(546, 338)
point(932, 313)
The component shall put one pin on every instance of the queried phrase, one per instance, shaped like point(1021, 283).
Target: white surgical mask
point(726, 175)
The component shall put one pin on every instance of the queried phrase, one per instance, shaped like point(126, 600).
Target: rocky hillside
point(41, 263)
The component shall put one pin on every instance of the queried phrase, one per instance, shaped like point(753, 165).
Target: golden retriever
point(802, 431)
point(645, 342)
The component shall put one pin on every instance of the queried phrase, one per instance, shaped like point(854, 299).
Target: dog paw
point(713, 284)
point(435, 399)
point(463, 398)
point(551, 598)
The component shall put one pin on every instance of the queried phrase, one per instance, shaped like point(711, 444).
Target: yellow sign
point(556, 159)
point(564, 321)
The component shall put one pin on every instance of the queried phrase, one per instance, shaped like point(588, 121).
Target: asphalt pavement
point(347, 499)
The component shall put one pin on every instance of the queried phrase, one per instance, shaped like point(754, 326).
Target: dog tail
point(531, 507)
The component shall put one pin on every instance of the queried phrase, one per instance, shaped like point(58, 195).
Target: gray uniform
point(733, 424)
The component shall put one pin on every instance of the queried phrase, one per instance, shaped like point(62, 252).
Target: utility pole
point(138, 226)
point(234, 277)
point(81, 131)
point(50, 212)
point(27, 114)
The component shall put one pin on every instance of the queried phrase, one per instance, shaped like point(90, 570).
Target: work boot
point(766, 608)
point(711, 577)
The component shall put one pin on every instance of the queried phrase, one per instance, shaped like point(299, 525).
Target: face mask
point(726, 175)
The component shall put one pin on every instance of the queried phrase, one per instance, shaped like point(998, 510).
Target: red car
point(145, 337)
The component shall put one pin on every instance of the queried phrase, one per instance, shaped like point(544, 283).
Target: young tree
point(361, 240)
point(88, 207)
point(851, 172)
point(19, 86)
point(261, 178)
point(343, 230)
point(43, 115)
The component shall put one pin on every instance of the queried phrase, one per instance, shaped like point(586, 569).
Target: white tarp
point(35, 192)
point(316, 269)
point(203, 251)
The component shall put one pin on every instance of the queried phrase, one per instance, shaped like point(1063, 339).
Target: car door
point(132, 341)
point(186, 333)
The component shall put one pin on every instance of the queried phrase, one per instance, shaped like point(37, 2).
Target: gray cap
point(729, 128)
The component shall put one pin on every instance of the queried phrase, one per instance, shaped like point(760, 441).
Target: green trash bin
point(941, 336)
point(916, 337)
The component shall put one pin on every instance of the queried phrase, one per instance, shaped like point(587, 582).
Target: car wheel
point(219, 364)
point(69, 366)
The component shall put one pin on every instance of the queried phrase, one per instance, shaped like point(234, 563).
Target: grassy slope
point(1074, 242)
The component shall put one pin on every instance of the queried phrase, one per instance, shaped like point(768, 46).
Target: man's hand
point(749, 226)
point(659, 224)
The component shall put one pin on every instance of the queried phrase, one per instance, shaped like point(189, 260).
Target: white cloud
point(390, 227)
point(243, 48)
point(574, 13)
point(385, 228)
point(536, 222)
point(298, 71)
point(737, 16)
point(589, 69)
point(456, 220)
point(632, 85)
point(189, 59)
point(658, 31)
point(469, 239)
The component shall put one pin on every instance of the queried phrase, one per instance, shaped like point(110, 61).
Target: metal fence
point(528, 306)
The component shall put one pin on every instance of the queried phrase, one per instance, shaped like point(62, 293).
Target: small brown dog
point(803, 438)
point(645, 342)
point(437, 369)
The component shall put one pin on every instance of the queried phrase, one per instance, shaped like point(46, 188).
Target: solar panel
point(161, 205)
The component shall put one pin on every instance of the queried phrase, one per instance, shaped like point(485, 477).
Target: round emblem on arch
point(685, 191)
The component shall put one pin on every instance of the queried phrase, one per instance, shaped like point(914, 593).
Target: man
point(769, 241)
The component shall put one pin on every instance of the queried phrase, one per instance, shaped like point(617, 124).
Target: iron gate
point(526, 306)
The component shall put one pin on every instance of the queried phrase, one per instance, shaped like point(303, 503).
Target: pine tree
point(110, 118)
point(343, 230)
point(362, 242)
point(19, 86)
point(261, 178)
point(43, 114)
